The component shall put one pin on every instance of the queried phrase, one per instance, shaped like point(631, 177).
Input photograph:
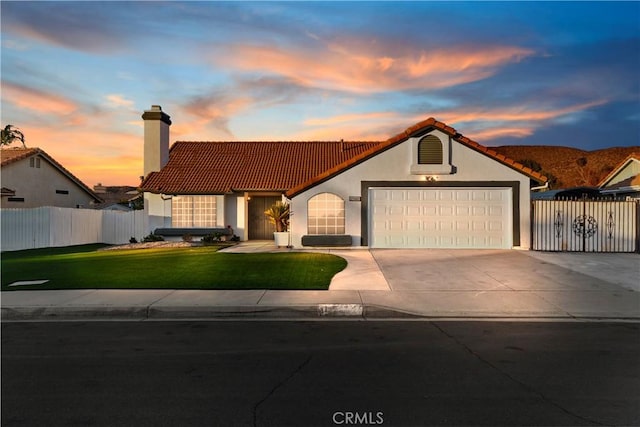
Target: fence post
point(584, 224)
point(637, 209)
point(532, 224)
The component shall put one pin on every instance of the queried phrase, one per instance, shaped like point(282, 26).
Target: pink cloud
point(517, 113)
point(501, 132)
point(479, 124)
point(37, 100)
point(363, 70)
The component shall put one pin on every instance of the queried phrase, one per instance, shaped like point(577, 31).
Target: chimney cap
point(156, 113)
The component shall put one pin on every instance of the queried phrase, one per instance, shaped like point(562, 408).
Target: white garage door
point(440, 218)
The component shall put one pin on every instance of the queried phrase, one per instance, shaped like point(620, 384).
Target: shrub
point(187, 238)
point(153, 238)
point(133, 240)
point(211, 238)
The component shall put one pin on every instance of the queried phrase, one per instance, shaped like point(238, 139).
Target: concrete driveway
point(508, 282)
point(488, 270)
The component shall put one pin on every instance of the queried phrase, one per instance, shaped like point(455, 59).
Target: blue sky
point(76, 76)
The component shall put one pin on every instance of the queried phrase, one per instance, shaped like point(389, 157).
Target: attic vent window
point(430, 151)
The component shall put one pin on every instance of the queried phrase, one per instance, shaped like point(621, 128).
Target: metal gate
point(585, 225)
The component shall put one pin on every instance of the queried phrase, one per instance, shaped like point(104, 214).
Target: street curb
point(178, 313)
point(302, 312)
point(73, 313)
point(154, 312)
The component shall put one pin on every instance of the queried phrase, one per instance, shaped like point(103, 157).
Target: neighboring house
point(574, 193)
point(117, 198)
point(624, 181)
point(426, 187)
point(31, 178)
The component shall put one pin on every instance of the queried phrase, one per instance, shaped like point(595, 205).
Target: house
point(624, 181)
point(31, 178)
point(426, 187)
point(122, 198)
point(573, 193)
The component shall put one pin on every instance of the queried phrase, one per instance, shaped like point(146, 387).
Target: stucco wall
point(38, 186)
point(395, 165)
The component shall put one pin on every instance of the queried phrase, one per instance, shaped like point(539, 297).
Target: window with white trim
point(325, 214)
point(193, 211)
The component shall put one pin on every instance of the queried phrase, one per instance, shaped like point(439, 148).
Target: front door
point(259, 226)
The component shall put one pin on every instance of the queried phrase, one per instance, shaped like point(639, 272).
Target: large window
point(193, 211)
point(325, 214)
point(430, 151)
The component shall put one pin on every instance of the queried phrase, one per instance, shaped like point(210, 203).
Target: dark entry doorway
point(259, 226)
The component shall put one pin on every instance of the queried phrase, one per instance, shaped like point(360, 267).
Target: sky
point(77, 76)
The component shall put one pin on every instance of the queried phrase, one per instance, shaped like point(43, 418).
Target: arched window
point(325, 214)
point(430, 151)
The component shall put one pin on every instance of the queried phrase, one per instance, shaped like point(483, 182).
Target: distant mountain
point(568, 167)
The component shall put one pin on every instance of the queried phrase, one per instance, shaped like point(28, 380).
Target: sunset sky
point(76, 76)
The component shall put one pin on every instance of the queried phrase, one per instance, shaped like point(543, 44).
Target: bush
point(187, 238)
point(211, 238)
point(153, 238)
point(133, 240)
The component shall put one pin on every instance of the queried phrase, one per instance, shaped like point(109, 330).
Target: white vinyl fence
point(585, 225)
point(50, 226)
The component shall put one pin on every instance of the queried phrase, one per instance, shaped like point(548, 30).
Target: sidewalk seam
point(261, 297)
point(381, 270)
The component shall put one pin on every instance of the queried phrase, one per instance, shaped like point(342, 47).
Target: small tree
point(278, 215)
point(10, 134)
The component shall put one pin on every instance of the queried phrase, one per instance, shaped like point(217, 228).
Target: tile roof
point(13, 155)
point(291, 167)
point(416, 130)
point(223, 167)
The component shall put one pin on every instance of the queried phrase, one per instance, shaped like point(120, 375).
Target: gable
point(626, 171)
point(13, 156)
point(414, 135)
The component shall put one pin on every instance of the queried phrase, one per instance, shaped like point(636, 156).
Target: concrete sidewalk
point(381, 284)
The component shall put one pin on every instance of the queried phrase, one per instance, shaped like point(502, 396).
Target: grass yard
point(175, 268)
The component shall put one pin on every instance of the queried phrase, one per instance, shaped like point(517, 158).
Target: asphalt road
point(320, 373)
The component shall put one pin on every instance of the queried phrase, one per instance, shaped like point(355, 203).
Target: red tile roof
point(12, 155)
point(291, 167)
point(415, 130)
point(223, 167)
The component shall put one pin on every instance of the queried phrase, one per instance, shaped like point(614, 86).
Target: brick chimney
point(156, 139)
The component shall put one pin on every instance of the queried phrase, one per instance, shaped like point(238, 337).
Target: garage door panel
point(441, 218)
point(479, 210)
point(463, 210)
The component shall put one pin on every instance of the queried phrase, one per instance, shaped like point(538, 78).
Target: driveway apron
point(498, 282)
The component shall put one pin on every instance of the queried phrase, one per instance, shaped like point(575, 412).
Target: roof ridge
point(410, 132)
point(281, 141)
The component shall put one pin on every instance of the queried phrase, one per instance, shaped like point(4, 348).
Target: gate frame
point(584, 200)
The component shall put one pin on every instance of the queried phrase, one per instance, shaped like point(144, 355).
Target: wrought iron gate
point(585, 225)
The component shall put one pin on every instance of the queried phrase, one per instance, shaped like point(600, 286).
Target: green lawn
point(175, 268)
